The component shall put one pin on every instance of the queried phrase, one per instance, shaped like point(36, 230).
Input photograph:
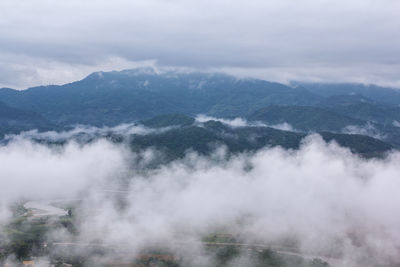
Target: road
point(333, 262)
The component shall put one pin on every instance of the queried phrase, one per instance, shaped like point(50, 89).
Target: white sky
point(54, 42)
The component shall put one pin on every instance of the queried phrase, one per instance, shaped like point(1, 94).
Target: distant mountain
point(13, 120)
point(345, 100)
point(250, 95)
point(383, 95)
point(360, 107)
point(109, 98)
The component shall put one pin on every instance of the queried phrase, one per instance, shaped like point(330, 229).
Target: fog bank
point(320, 199)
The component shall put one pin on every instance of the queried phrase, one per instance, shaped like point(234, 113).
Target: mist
point(84, 133)
point(321, 199)
point(367, 129)
point(241, 122)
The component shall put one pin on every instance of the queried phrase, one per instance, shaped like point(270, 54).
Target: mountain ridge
point(112, 98)
point(117, 97)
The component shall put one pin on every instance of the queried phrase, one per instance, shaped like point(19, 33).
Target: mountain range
point(347, 111)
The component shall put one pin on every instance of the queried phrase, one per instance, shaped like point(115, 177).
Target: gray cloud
point(277, 40)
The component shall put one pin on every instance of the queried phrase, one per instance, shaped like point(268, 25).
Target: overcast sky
point(54, 42)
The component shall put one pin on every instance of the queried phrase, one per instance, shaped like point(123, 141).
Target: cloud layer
point(47, 42)
point(322, 198)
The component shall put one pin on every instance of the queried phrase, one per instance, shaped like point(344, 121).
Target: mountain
point(346, 100)
point(362, 108)
point(204, 137)
point(169, 120)
point(110, 98)
point(304, 118)
point(250, 95)
point(13, 120)
point(383, 95)
point(332, 119)
point(359, 144)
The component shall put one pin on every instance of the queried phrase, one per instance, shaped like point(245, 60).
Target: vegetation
point(110, 98)
point(168, 121)
point(304, 118)
point(27, 239)
point(206, 137)
point(26, 236)
point(334, 119)
point(14, 120)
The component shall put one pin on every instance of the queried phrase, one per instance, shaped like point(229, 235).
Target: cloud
point(240, 122)
point(84, 133)
point(322, 198)
point(367, 129)
point(22, 71)
point(309, 40)
point(237, 122)
point(32, 170)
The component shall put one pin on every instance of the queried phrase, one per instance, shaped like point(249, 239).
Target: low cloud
point(32, 170)
point(322, 199)
point(367, 129)
point(240, 122)
point(236, 122)
point(84, 133)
